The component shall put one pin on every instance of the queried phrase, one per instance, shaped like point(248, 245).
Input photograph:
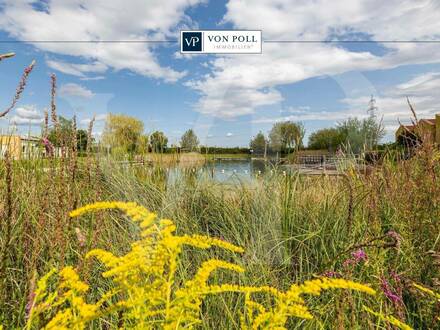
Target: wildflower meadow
point(89, 243)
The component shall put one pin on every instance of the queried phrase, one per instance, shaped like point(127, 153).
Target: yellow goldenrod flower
point(389, 318)
point(426, 290)
point(70, 279)
point(144, 287)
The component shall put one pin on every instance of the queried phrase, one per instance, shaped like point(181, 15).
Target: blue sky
point(226, 99)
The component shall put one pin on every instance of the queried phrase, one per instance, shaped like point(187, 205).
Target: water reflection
point(224, 170)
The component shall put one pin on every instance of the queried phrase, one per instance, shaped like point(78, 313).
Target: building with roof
point(425, 130)
point(20, 147)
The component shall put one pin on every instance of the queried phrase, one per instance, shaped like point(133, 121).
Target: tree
point(143, 144)
point(158, 141)
point(81, 140)
point(285, 136)
point(326, 139)
point(122, 131)
point(361, 135)
point(189, 141)
point(259, 143)
point(64, 134)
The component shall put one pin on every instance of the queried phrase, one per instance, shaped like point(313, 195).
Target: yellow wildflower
point(70, 279)
point(428, 291)
point(144, 288)
point(389, 318)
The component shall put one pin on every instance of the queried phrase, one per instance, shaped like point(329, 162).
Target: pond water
point(228, 170)
point(242, 170)
point(237, 169)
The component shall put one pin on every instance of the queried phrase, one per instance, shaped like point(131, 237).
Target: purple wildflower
point(359, 255)
point(389, 293)
point(48, 146)
point(356, 257)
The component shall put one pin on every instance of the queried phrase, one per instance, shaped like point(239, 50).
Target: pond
point(237, 169)
point(229, 170)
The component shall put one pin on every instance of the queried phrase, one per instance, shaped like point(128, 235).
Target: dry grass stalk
point(20, 89)
point(5, 56)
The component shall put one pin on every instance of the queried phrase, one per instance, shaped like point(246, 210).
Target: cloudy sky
point(226, 99)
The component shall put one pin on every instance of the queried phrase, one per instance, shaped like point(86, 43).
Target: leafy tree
point(143, 144)
point(81, 140)
point(65, 133)
point(189, 141)
point(328, 138)
point(287, 135)
point(122, 131)
point(158, 141)
point(361, 135)
point(259, 143)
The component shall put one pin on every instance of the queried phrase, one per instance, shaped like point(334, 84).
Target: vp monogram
point(192, 41)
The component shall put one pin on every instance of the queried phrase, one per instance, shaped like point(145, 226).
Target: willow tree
point(122, 132)
point(286, 136)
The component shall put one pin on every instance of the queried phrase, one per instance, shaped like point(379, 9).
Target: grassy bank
point(381, 230)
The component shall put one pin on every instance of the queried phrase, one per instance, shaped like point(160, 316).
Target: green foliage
point(147, 294)
point(143, 144)
point(189, 141)
point(122, 131)
point(259, 144)
point(286, 136)
point(326, 139)
point(65, 133)
point(360, 135)
point(293, 228)
point(353, 134)
point(158, 141)
point(224, 150)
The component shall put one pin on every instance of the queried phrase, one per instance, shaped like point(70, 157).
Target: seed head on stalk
point(20, 88)
point(7, 55)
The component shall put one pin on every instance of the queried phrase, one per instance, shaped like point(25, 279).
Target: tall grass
point(292, 228)
point(379, 228)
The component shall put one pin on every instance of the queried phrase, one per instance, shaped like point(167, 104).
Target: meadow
point(381, 230)
point(356, 251)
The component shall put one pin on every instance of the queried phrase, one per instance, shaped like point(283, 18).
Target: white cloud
point(98, 118)
point(313, 116)
point(393, 108)
point(78, 70)
point(28, 112)
point(27, 115)
point(72, 89)
point(229, 135)
point(100, 20)
point(422, 91)
point(239, 85)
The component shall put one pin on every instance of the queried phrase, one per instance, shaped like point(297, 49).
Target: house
point(426, 130)
point(19, 147)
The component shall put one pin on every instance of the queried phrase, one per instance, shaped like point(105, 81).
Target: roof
point(30, 138)
point(22, 137)
point(428, 121)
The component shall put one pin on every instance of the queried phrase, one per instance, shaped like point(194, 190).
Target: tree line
point(353, 135)
point(125, 134)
